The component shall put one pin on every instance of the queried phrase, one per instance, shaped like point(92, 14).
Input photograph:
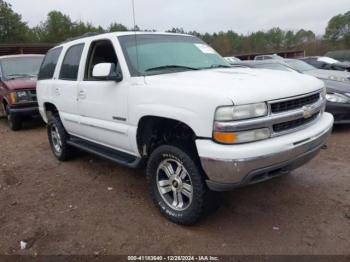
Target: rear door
point(46, 82)
point(65, 89)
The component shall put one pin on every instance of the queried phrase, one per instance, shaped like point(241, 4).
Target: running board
point(105, 152)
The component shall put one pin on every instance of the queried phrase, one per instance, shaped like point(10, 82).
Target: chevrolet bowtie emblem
point(307, 112)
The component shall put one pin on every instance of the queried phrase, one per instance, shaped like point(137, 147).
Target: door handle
point(81, 94)
point(57, 91)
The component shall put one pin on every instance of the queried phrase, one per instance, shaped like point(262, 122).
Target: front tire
point(177, 185)
point(14, 122)
point(58, 138)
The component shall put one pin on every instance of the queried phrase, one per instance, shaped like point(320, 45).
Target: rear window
point(49, 64)
point(70, 65)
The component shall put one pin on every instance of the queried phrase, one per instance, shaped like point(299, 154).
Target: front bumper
point(341, 112)
point(25, 111)
point(229, 167)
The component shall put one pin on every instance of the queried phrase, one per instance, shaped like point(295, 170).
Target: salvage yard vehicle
point(18, 75)
point(267, 57)
point(232, 59)
point(327, 63)
point(338, 91)
point(170, 103)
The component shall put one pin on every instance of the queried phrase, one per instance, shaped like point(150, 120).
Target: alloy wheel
point(174, 184)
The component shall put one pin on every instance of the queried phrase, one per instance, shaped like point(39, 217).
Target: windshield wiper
point(170, 67)
point(217, 66)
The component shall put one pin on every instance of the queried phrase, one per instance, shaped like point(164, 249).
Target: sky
point(241, 16)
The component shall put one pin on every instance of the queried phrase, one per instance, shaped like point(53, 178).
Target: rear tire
point(14, 122)
point(58, 138)
point(176, 184)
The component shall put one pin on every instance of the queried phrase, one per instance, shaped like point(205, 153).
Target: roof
point(98, 36)
point(24, 55)
point(24, 48)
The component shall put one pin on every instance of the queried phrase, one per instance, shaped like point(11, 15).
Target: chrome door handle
point(81, 94)
point(57, 91)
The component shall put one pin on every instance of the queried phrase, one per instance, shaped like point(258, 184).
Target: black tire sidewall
point(14, 122)
point(196, 209)
point(65, 149)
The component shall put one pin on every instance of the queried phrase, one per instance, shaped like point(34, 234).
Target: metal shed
point(284, 54)
point(15, 49)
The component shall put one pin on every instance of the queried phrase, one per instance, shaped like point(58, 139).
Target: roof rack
point(88, 34)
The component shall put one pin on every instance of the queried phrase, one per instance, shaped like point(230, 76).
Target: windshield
point(19, 67)
point(299, 65)
point(161, 54)
point(274, 66)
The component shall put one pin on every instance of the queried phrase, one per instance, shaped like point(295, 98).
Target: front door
point(102, 104)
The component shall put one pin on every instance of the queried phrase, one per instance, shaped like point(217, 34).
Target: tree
point(275, 37)
point(57, 28)
point(303, 36)
point(338, 29)
point(115, 27)
point(12, 28)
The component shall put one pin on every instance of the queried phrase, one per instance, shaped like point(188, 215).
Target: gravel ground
point(92, 206)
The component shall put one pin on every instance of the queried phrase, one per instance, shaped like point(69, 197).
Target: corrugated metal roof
point(15, 49)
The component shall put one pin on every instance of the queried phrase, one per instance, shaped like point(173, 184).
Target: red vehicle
point(18, 74)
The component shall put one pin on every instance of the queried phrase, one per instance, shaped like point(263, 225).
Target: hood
point(240, 85)
point(21, 83)
point(336, 86)
point(327, 74)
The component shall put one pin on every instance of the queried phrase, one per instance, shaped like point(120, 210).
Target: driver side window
point(101, 51)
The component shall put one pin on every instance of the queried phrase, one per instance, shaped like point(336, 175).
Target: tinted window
point(70, 65)
point(50, 61)
point(100, 52)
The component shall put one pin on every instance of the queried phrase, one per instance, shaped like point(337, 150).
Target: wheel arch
point(49, 110)
point(154, 130)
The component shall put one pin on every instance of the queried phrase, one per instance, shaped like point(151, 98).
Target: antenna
point(136, 45)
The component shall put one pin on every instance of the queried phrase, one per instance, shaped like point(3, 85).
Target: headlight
point(337, 98)
point(20, 96)
point(242, 136)
point(231, 113)
point(338, 78)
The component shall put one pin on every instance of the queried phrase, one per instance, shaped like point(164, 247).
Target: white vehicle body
point(109, 113)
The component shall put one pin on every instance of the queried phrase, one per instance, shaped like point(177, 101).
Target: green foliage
point(338, 29)
point(115, 27)
point(12, 29)
point(58, 27)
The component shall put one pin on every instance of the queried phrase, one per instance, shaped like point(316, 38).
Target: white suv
point(170, 103)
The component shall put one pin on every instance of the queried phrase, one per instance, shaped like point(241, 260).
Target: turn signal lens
point(242, 137)
point(226, 138)
point(13, 98)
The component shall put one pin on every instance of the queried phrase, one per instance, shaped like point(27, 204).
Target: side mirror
point(107, 71)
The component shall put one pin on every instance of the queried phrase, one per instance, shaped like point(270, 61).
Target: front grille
point(294, 124)
point(294, 103)
point(33, 95)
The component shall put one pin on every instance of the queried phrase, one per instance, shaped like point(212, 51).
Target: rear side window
point(49, 64)
point(70, 65)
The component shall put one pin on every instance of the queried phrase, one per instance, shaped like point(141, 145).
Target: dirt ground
point(92, 206)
